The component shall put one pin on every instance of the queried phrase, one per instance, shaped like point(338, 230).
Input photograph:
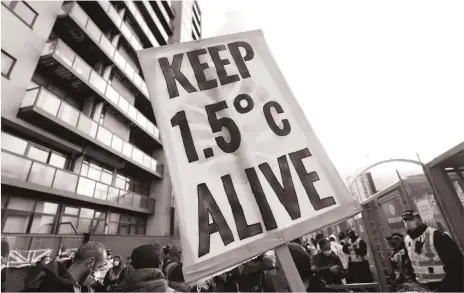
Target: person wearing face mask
point(327, 265)
point(399, 260)
point(111, 280)
point(83, 272)
point(358, 266)
point(435, 257)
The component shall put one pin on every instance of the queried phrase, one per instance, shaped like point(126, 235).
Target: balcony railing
point(139, 19)
point(31, 171)
point(61, 52)
point(88, 128)
point(155, 19)
point(92, 30)
point(166, 17)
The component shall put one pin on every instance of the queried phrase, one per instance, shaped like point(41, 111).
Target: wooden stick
point(289, 269)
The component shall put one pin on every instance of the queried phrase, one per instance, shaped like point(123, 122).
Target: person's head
point(109, 254)
point(325, 247)
point(411, 220)
point(341, 235)
point(395, 240)
point(44, 260)
point(116, 261)
point(128, 261)
point(332, 238)
point(175, 253)
point(89, 259)
point(351, 233)
point(148, 256)
point(302, 261)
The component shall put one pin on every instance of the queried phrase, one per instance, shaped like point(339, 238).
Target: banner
point(248, 171)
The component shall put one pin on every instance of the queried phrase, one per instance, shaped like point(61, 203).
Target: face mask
point(327, 252)
point(116, 263)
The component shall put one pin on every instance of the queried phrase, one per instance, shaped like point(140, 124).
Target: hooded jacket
point(338, 250)
point(145, 280)
point(323, 263)
point(55, 278)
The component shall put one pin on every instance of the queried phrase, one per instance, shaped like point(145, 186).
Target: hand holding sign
point(248, 171)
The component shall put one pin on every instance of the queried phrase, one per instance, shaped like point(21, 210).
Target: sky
point(376, 79)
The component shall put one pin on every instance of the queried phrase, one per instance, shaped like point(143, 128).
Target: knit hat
point(147, 256)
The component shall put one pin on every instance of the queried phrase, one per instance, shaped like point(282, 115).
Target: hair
point(332, 238)
point(166, 249)
point(323, 242)
point(90, 249)
point(319, 236)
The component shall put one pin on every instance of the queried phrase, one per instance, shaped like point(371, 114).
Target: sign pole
point(289, 268)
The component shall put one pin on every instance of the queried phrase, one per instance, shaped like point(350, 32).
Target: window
point(83, 220)
point(130, 183)
point(124, 224)
point(23, 11)
point(47, 156)
point(24, 215)
point(96, 172)
point(13, 144)
point(8, 63)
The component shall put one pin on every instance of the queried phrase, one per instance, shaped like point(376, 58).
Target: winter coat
point(145, 280)
point(338, 250)
point(323, 263)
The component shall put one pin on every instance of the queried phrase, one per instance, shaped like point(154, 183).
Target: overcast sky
point(376, 79)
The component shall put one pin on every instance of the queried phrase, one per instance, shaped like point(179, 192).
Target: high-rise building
point(81, 152)
point(363, 187)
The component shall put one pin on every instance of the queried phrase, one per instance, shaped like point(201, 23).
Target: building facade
point(81, 152)
point(363, 187)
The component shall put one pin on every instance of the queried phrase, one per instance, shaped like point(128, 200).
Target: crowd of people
point(425, 259)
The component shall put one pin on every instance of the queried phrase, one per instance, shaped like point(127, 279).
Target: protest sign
point(248, 171)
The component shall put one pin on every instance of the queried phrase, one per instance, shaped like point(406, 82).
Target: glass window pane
point(104, 136)
point(64, 53)
point(150, 127)
point(66, 225)
point(142, 120)
point(57, 160)
point(101, 191)
point(38, 154)
point(46, 207)
point(93, 30)
point(84, 225)
point(65, 181)
point(87, 125)
point(117, 143)
point(113, 229)
point(98, 227)
point(15, 167)
point(81, 68)
point(21, 204)
point(7, 64)
point(13, 144)
point(106, 177)
point(41, 174)
point(100, 215)
point(48, 102)
point(68, 114)
point(71, 211)
point(125, 198)
point(107, 46)
point(127, 149)
point(85, 168)
point(132, 112)
point(98, 82)
point(16, 224)
point(42, 224)
point(86, 213)
point(113, 14)
point(113, 194)
point(94, 172)
point(137, 155)
point(115, 217)
point(147, 161)
point(79, 15)
point(112, 94)
point(137, 80)
point(86, 187)
point(120, 182)
point(129, 71)
point(123, 229)
point(133, 230)
point(25, 13)
point(123, 104)
point(119, 60)
point(125, 31)
point(141, 230)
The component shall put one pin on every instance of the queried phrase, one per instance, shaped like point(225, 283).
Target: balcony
point(153, 21)
point(66, 66)
point(164, 17)
point(25, 173)
point(137, 18)
point(77, 30)
point(39, 103)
